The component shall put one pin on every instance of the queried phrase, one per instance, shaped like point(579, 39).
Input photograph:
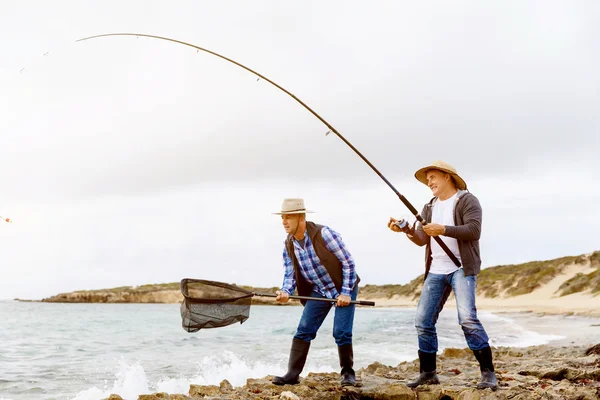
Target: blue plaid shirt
point(313, 270)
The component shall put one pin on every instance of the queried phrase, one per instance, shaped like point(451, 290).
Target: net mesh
point(209, 304)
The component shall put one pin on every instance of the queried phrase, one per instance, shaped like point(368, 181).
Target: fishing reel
point(404, 226)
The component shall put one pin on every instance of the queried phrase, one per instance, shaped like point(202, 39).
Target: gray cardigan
point(467, 231)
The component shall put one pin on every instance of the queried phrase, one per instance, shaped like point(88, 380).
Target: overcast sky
point(129, 160)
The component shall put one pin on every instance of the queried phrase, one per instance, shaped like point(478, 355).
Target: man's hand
point(434, 229)
point(343, 301)
point(400, 225)
point(392, 225)
point(282, 297)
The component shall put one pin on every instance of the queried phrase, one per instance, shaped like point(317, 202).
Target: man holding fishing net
point(317, 263)
point(454, 215)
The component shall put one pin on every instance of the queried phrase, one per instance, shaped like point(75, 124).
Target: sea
point(88, 351)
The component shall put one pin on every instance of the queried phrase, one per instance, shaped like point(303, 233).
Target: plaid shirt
point(313, 270)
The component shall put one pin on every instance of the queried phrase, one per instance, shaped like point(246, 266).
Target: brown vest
point(331, 263)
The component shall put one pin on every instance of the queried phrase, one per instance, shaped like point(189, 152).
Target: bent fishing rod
point(403, 199)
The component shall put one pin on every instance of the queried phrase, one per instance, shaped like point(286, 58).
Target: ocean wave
point(131, 380)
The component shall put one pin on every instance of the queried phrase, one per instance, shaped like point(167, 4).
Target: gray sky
point(129, 161)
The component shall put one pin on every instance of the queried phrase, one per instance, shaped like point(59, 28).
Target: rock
point(205, 391)
point(559, 374)
point(593, 350)
point(374, 367)
point(154, 396)
point(225, 386)
point(260, 381)
point(114, 397)
point(471, 394)
point(288, 396)
point(393, 391)
point(456, 353)
point(430, 392)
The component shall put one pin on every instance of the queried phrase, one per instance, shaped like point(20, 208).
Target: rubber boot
point(298, 354)
point(488, 376)
point(427, 368)
point(347, 362)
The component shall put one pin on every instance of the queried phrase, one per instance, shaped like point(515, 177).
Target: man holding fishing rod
point(454, 215)
point(317, 263)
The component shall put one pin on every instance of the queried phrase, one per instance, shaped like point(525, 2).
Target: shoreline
point(531, 372)
point(503, 306)
point(585, 306)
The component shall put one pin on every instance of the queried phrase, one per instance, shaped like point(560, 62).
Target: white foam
point(131, 381)
point(173, 385)
point(529, 338)
point(213, 369)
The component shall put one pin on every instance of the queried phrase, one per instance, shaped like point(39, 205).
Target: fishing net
point(209, 304)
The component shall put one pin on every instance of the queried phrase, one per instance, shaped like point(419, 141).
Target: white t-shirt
point(443, 214)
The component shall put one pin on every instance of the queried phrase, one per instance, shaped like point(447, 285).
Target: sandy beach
point(543, 300)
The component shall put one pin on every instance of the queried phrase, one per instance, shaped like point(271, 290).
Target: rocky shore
point(540, 372)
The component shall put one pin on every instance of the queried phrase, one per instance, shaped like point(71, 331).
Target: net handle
point(359, 302)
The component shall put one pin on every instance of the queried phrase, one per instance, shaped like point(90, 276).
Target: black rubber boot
point(296, 363)
point(427, 367)
point(488, 376)
point(347, 362)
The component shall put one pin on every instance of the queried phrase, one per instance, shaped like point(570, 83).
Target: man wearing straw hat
point(317, 263)
point(454, 214)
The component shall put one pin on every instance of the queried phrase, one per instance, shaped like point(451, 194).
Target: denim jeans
point(314, 314)
point(436, 289)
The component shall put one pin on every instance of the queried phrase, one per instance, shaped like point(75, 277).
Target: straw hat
point(421, 174)
point(293, 206)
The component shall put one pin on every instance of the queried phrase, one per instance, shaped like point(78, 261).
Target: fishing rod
point(403, 199)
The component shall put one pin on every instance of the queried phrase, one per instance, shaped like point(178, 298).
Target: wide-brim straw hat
point(421, 174)
point(293, 206)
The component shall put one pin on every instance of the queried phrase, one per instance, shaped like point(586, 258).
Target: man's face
point(438, 181)
point(290, 222)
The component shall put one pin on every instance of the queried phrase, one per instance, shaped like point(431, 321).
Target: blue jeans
point(314, 314)
point(436, 290)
